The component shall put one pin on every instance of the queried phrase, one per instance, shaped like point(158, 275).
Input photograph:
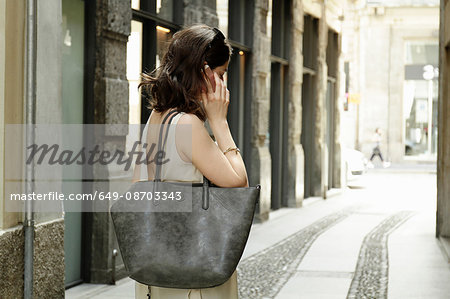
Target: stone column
point(296, 157)
point(337, 157)
point(394, 133)
point(443, 163)
point(200, 11)
point(112, 25)
point(260, 166)
point(320, 163)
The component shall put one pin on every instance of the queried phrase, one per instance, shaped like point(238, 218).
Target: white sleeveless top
point(176, 169)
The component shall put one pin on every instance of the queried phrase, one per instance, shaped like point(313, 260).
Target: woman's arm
point(222, 170)
point(225, 170)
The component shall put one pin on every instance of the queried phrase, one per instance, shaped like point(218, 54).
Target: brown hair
point(180, 78)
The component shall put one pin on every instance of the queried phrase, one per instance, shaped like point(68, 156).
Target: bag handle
point(161, 146)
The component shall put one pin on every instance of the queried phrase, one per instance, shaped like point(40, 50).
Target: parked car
point(355, 163)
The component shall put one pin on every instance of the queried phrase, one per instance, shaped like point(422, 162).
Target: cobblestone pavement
point(394, 196)
point(264, 274)
point(371, 275)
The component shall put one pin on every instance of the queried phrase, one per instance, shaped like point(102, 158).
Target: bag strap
point(161, 143)
point(161, 146)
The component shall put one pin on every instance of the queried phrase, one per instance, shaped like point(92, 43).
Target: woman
point(376, 151)
point(190, 80)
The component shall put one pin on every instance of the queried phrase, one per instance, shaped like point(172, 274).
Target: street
point(375, 239)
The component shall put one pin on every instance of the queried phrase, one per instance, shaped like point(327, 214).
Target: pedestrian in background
point(376, 149)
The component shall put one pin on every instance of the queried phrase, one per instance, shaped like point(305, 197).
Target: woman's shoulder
point(190, 119)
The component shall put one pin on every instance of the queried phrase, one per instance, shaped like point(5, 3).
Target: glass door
point(72, 106)
point(420, 95)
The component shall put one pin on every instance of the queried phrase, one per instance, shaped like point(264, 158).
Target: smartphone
point(210, 75)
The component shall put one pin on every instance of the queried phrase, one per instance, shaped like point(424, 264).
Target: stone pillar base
point(48, 261)
point(296, 178)
point(261, 168)
point(337, 167)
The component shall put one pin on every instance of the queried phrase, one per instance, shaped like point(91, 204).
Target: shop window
point(153, 25)
point(420, 98)
point(237, 18)
point(164, 10)
point(134, 64)
point(134, 68)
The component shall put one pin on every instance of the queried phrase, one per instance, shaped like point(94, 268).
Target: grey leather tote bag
point(189, 250)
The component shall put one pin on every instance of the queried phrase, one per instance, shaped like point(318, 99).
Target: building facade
point(390, 54)
point(285, 113)
point(48, 252)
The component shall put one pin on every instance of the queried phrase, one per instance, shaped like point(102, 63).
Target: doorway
point(308, 130)
point(330, 106)
point(329, 132)
point(309, 96)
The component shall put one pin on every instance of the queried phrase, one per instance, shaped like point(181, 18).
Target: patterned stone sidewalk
point(371, 242)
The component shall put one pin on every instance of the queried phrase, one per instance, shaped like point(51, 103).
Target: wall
point(108, 100)
point(49, 234)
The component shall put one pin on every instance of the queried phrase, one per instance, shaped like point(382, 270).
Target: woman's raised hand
point(223, 170)
point(215, 100)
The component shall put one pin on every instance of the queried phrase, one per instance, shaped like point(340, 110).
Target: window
point(167, 10)
point(279, 101)
point(238, 20)
point(310, 43)
point(134, 65)
point(420, 98)
point(330, 104)
point(310, 52)
point(151, 30)
point(153, 25)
